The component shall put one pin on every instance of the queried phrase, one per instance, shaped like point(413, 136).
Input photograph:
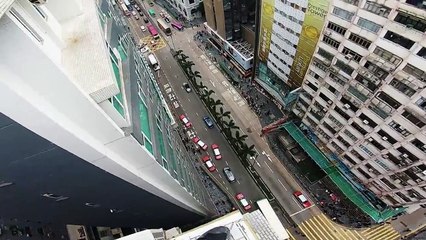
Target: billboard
point(311, 31)
point(267, 20)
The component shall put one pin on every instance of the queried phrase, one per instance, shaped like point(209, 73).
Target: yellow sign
point(311, 29)
point(266, 29)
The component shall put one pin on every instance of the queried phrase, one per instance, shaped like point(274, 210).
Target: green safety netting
point(337, 177)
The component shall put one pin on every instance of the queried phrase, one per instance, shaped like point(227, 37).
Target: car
point(208, 121)
point(216, 152)
point(145, 20)
point(200, 143)
point(134, 13)
point(302, 199)
point(228, 174)
point(143, 28)
point(243, 201)
point(185, 121)
point(151, 4)
point(167, 19)
point(187, 87)
point(137, 17)
point(137, 7)
point(162, 15)
point(140, 13)
point(190, 133)
point(209, 164)
point(145, 49)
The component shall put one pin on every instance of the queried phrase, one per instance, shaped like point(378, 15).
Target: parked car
point(167, 19)
point(137, 7)
point(151, 4)
point(228, 174)
point(145, 49)
point(185, 121)
point(190, 133)
point(143, 28)
point(240, 197)
point(137, 17)
point(208, 121)
point(209, 164)
point(145, 20)
point(200, 143)
point(216, 152)
point(302, 199)
point(187, 87)
point(140, 13)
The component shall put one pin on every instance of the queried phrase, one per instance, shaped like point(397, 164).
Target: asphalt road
point(279, 181)
point(171, 75)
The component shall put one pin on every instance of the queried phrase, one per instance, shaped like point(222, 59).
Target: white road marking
point(220, 176)
point(303, 209)
point(238, 182)
point(282, 184)
point(227, 164)
point(258, 164)
point(206, 129)
point(197, 114)
point(212, 83)
point(269, 167)
point(189, 100)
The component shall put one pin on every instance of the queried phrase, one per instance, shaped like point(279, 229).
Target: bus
point(153, 31)
point(153, 61)
point(125, 10)
point(151, 12)
point(128, 5)
point(177, 26)
point(163, 26)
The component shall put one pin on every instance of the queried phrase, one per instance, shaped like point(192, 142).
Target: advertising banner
point(267, 20)
point(311, 30)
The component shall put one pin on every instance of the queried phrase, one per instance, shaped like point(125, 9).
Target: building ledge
point(85, 55)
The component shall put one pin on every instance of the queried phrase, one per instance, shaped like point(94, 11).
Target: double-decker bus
point(153, 31)
point(163, 26)
point(125, 10)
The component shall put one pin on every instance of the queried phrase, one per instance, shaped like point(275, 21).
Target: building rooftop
point(85, 55)
point(243, 47)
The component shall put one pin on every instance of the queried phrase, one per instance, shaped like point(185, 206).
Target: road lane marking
point(206, 129)
point(282, 184)
point(269, 167)
point(212, 83)
point(189, 100)
point(220, 176)
point(258, 164)
point(238, 182)
point(227, 164)
point(197, 114)
point(303, 209)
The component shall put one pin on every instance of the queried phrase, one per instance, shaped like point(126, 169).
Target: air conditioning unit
point(366, 122)
point(419, 180)
point(327, 32)
point(330, 102)
point(397, 181)
point(347, 106)
point(333, 70)
point(370, 170)
point(370, 139)
point(349, 56)
point(384, 138)
point(404, 155)
point(385, 156)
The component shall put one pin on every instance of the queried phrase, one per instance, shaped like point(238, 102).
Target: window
point(376, 70)
point(402, 87)
point(360, 40)
point(368, 121)
point(422, 53)
point(349, 159)
point(418, 73)
point(341, 113)
point(366, 175)
point(411, 21)
point(413, 119)
point(330, 128)
point(343, 141)
point(350, 135)
point(325, 54)
point(311, 85)
point(191, 1)
point(343, 13)
point(357, 155)
point(337, 28)
point(419, 144)
point(388, 183)
point(351, 55)
point(389, 100)
point(26, 25)
point(353, 2)
point(376, 144)
point(421, 103)
point(368, 25)
point(397, 127)
point(344, 67)
point(386, 137)
point(403, 197)
point(328, 40)
point(388, 56)
point(376, 8)
point(398, 39)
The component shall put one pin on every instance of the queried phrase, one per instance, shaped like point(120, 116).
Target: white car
point(200, 143)
point(143, 28)
point(145, 49)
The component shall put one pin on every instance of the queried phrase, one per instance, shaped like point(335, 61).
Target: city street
point(170, 75)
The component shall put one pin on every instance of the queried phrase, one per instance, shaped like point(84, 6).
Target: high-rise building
point(86, 136)
point(362, 65)
point(230, 25)
point(189, 9)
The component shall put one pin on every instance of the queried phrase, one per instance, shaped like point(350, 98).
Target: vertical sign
point(311, 30)
point(266, 29)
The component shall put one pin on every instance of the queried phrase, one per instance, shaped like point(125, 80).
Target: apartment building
point(86, 136)
point(364, 95)
point(230, 25)
point(189, 9)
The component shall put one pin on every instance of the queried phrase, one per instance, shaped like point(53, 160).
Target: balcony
point(381, 62)
point(359, 92)
point(398, 39)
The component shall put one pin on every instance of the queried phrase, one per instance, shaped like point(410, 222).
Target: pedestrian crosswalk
point(320, 227)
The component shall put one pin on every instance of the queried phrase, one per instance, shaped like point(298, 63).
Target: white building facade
point(71, 74)
point(364, 95)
